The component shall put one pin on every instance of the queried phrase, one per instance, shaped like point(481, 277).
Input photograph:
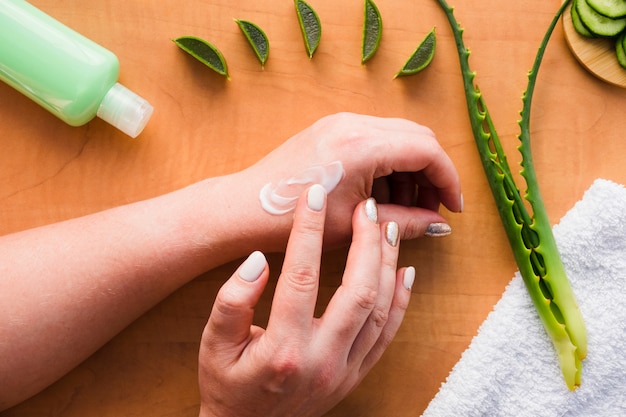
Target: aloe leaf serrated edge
point(530, 237)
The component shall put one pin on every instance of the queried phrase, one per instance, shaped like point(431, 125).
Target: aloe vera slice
point(372, 31)
point(204, 52)
point(421, 57)
point(310, 25)
point(257, 39)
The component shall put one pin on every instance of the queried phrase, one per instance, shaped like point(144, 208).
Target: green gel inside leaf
point(204, 52)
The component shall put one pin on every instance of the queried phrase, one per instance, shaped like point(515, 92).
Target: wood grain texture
point(205, 126)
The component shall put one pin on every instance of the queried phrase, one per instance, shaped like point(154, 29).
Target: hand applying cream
point(281, 198)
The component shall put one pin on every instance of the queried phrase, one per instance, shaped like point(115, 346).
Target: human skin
point(302, 365)
point(66, 287)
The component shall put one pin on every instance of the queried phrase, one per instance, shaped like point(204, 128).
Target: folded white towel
point(511, 368)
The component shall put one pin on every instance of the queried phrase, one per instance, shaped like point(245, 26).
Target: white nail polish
point(391, 233)
point(316, 197)
point(251, 269)
point(371, 210)
point(409, 278)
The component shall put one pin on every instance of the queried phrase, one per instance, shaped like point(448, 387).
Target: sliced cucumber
point(620, 52)
point(609, 8)
point(596, 23)
point(577, 23)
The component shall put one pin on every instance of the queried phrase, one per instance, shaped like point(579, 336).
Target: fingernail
point(409, 278)
point(462, 203)
point(391, 233)
point(371, 210)
point(251, 269)
point(438, 230)
point(316, 197)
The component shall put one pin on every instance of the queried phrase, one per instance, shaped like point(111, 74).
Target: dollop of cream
point(281, 198)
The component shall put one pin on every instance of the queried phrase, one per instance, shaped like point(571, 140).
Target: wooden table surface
point(205, 126)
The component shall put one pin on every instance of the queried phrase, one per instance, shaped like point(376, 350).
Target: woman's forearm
point(71, 286)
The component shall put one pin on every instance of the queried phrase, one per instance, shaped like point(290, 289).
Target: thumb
point(233, 310)
point(414, 222)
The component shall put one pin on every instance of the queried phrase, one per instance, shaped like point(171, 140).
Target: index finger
point(295, 296)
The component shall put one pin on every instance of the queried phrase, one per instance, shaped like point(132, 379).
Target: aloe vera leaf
point(563, 296)
point(530, 237)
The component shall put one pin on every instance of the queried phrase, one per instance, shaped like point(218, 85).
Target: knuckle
point(385, 339)
point(338, 119)
point(303, 277)
point(308, 226)
point(346, 128)
point(325, 377)
point(227, 303)
point(379, 316)
point(401, 304)
point(290, 364)
point(286, 362)
point(412, 229)
point(365, 297)
point(427, 134)
point(350, 139)
point(389, 262)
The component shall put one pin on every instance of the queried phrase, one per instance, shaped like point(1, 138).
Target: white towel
point(511, 368)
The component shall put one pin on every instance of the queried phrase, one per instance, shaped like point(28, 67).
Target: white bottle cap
point(125, 110)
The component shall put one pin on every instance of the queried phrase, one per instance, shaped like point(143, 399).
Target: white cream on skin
point(281, 198)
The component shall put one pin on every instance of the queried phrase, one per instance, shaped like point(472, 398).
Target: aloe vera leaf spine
point(530, 237)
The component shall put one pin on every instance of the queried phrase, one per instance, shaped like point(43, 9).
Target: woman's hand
point(397, 161)
point(301, 365)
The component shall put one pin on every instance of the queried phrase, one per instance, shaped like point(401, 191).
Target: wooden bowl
point(597, 55)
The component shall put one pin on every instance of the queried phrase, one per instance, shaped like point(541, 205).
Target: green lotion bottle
point(67, 74)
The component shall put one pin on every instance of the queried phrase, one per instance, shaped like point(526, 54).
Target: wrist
point(231, 219)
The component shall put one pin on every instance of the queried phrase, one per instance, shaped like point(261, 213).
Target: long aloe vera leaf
point(530, 236)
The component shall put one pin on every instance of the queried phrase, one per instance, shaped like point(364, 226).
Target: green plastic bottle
point(67, 74)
